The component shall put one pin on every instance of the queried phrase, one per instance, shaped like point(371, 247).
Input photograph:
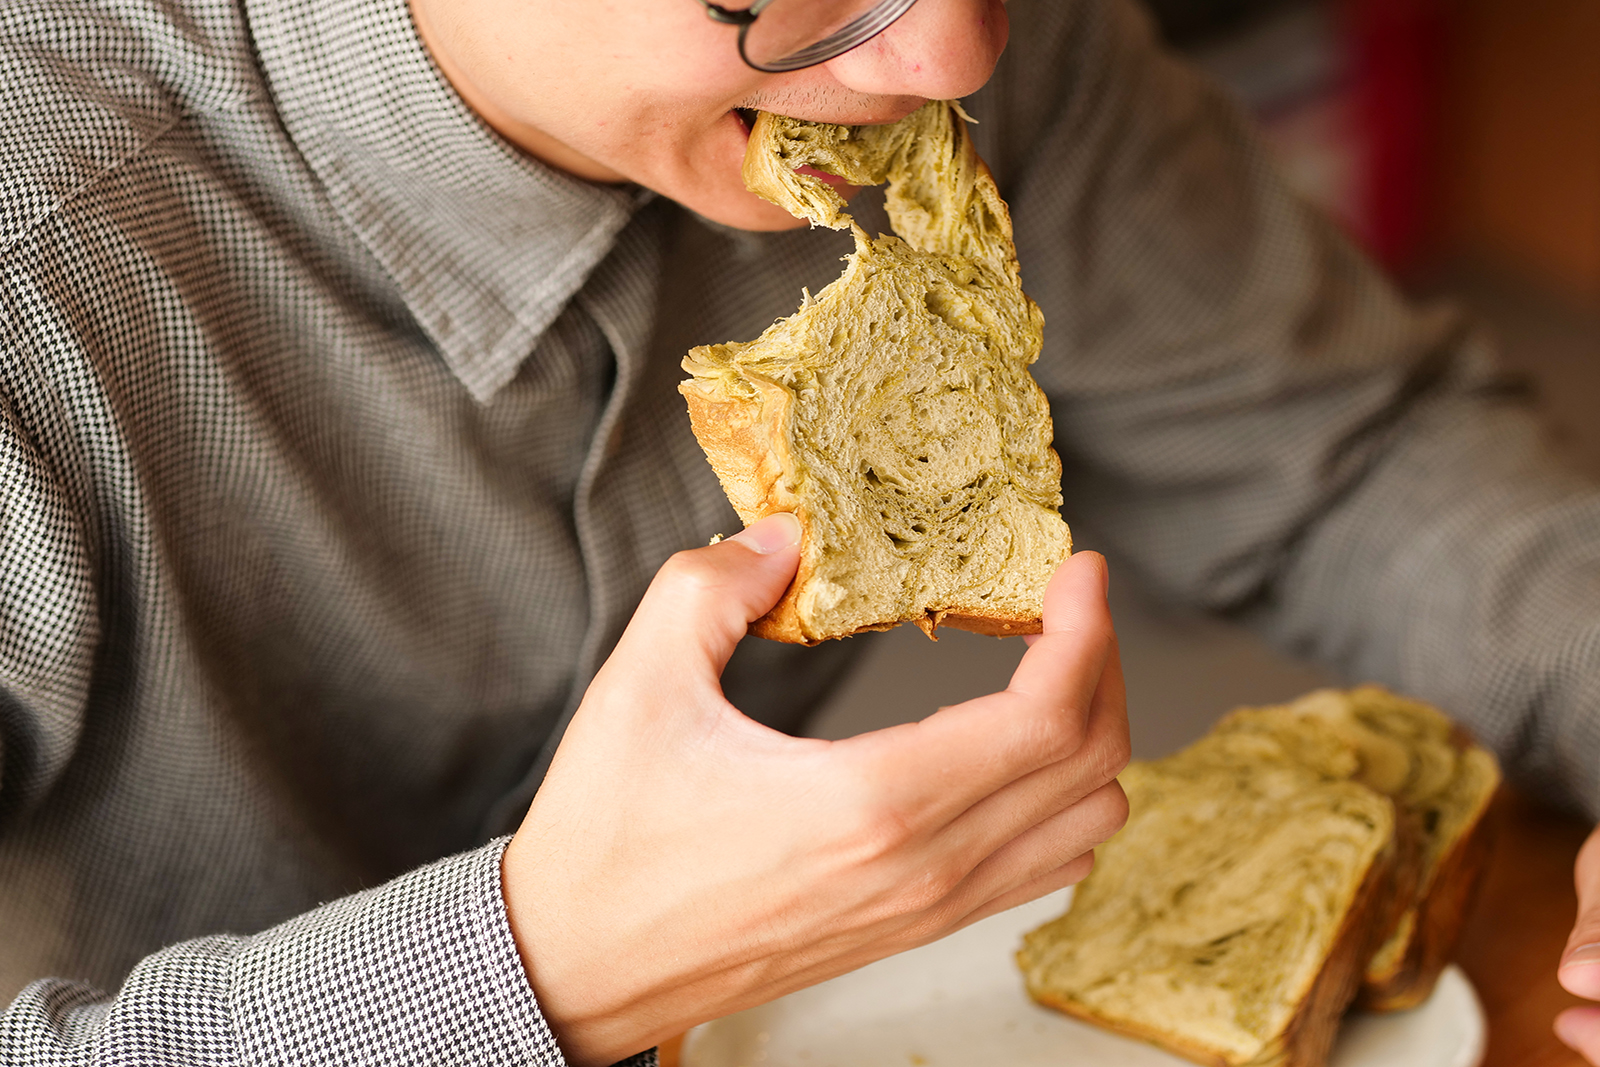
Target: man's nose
point(938, 50)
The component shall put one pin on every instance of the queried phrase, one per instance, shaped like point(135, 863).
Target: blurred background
point(1459, 142)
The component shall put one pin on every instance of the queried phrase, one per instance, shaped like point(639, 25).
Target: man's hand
point(1580, 963)
point(682, 862)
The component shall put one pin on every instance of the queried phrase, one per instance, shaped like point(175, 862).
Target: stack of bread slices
point(1296, 859)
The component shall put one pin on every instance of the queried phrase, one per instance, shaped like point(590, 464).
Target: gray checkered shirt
point(338, 441)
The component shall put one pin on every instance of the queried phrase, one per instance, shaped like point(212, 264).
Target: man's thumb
point(1580, 963)
point(702, 600)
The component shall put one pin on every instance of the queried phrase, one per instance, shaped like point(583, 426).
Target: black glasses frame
point(872, 22)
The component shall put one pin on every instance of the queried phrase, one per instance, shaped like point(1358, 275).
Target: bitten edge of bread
point(745, 439)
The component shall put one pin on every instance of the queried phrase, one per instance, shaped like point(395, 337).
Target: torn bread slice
point(1414, 753)
point(893, 414)
point(1231, 919)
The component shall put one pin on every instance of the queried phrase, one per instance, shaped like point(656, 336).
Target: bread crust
point(1311, 1033)
point(1441, 912)
point(995, 625)
point(744, 441)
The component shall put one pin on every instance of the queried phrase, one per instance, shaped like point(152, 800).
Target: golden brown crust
point(1209, 1057)
point(1310, 1036)
point(996, 625)
point(1440, 915)
point(1440, 910)
point(744, 441)
point(782, 623)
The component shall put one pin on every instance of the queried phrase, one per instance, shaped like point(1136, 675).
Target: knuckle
point(880, 828)
point(1108, 812)
point(927, 894)
point(930, 925)
point(912, 899)
point(892, 829)
point(1111, 755)
point(1058, 732)
point(1092, 822)
point(1586, 928)
point(1078, 868)
point(688, 571)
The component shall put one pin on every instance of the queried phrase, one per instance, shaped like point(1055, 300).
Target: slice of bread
point(1226, 922)
point(893, 414)
point(1231, 919)
point(1412, 752)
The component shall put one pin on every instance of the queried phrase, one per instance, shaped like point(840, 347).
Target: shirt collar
point(485, 243)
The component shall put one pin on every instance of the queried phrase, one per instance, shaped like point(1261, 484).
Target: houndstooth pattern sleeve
point(48, 623)
point(421, 970)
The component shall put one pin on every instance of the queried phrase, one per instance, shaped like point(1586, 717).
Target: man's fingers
point(933, 771)
point(702, 601)
point(1051, 845)
point(1077, 624)
point(1579, 1029)
point(1012, 810)
point(1580, 963)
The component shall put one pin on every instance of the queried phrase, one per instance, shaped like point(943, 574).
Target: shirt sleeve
point(49, 623)
point(1252, 418)
point(421, 970)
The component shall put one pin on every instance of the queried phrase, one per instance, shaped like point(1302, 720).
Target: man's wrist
point(421, 969)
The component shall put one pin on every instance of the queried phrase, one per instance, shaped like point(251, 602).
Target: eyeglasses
point(792, 34)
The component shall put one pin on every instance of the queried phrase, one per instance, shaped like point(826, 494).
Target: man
point(340, 446)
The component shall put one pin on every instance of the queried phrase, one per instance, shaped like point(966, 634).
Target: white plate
point(959, 1003)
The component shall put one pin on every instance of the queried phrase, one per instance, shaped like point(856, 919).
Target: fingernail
point(1583, 956)
point(770, 534)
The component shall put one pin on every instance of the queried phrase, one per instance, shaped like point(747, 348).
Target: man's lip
point(879, 118)
point(832, 179)
point(747, 117)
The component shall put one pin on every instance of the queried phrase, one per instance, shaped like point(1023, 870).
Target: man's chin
point(762, 222)
point(715, 190)
point(747, 211)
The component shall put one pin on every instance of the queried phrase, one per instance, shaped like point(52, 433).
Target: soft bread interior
point(894, 412)
point(1232, 881)
point(1413, 752)
point(1210, 918)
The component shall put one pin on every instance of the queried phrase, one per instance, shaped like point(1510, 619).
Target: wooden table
point(1512, 939)
point(1517, 931)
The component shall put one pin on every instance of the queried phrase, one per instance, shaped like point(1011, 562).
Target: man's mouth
point(832, 179)
point(747, 119)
